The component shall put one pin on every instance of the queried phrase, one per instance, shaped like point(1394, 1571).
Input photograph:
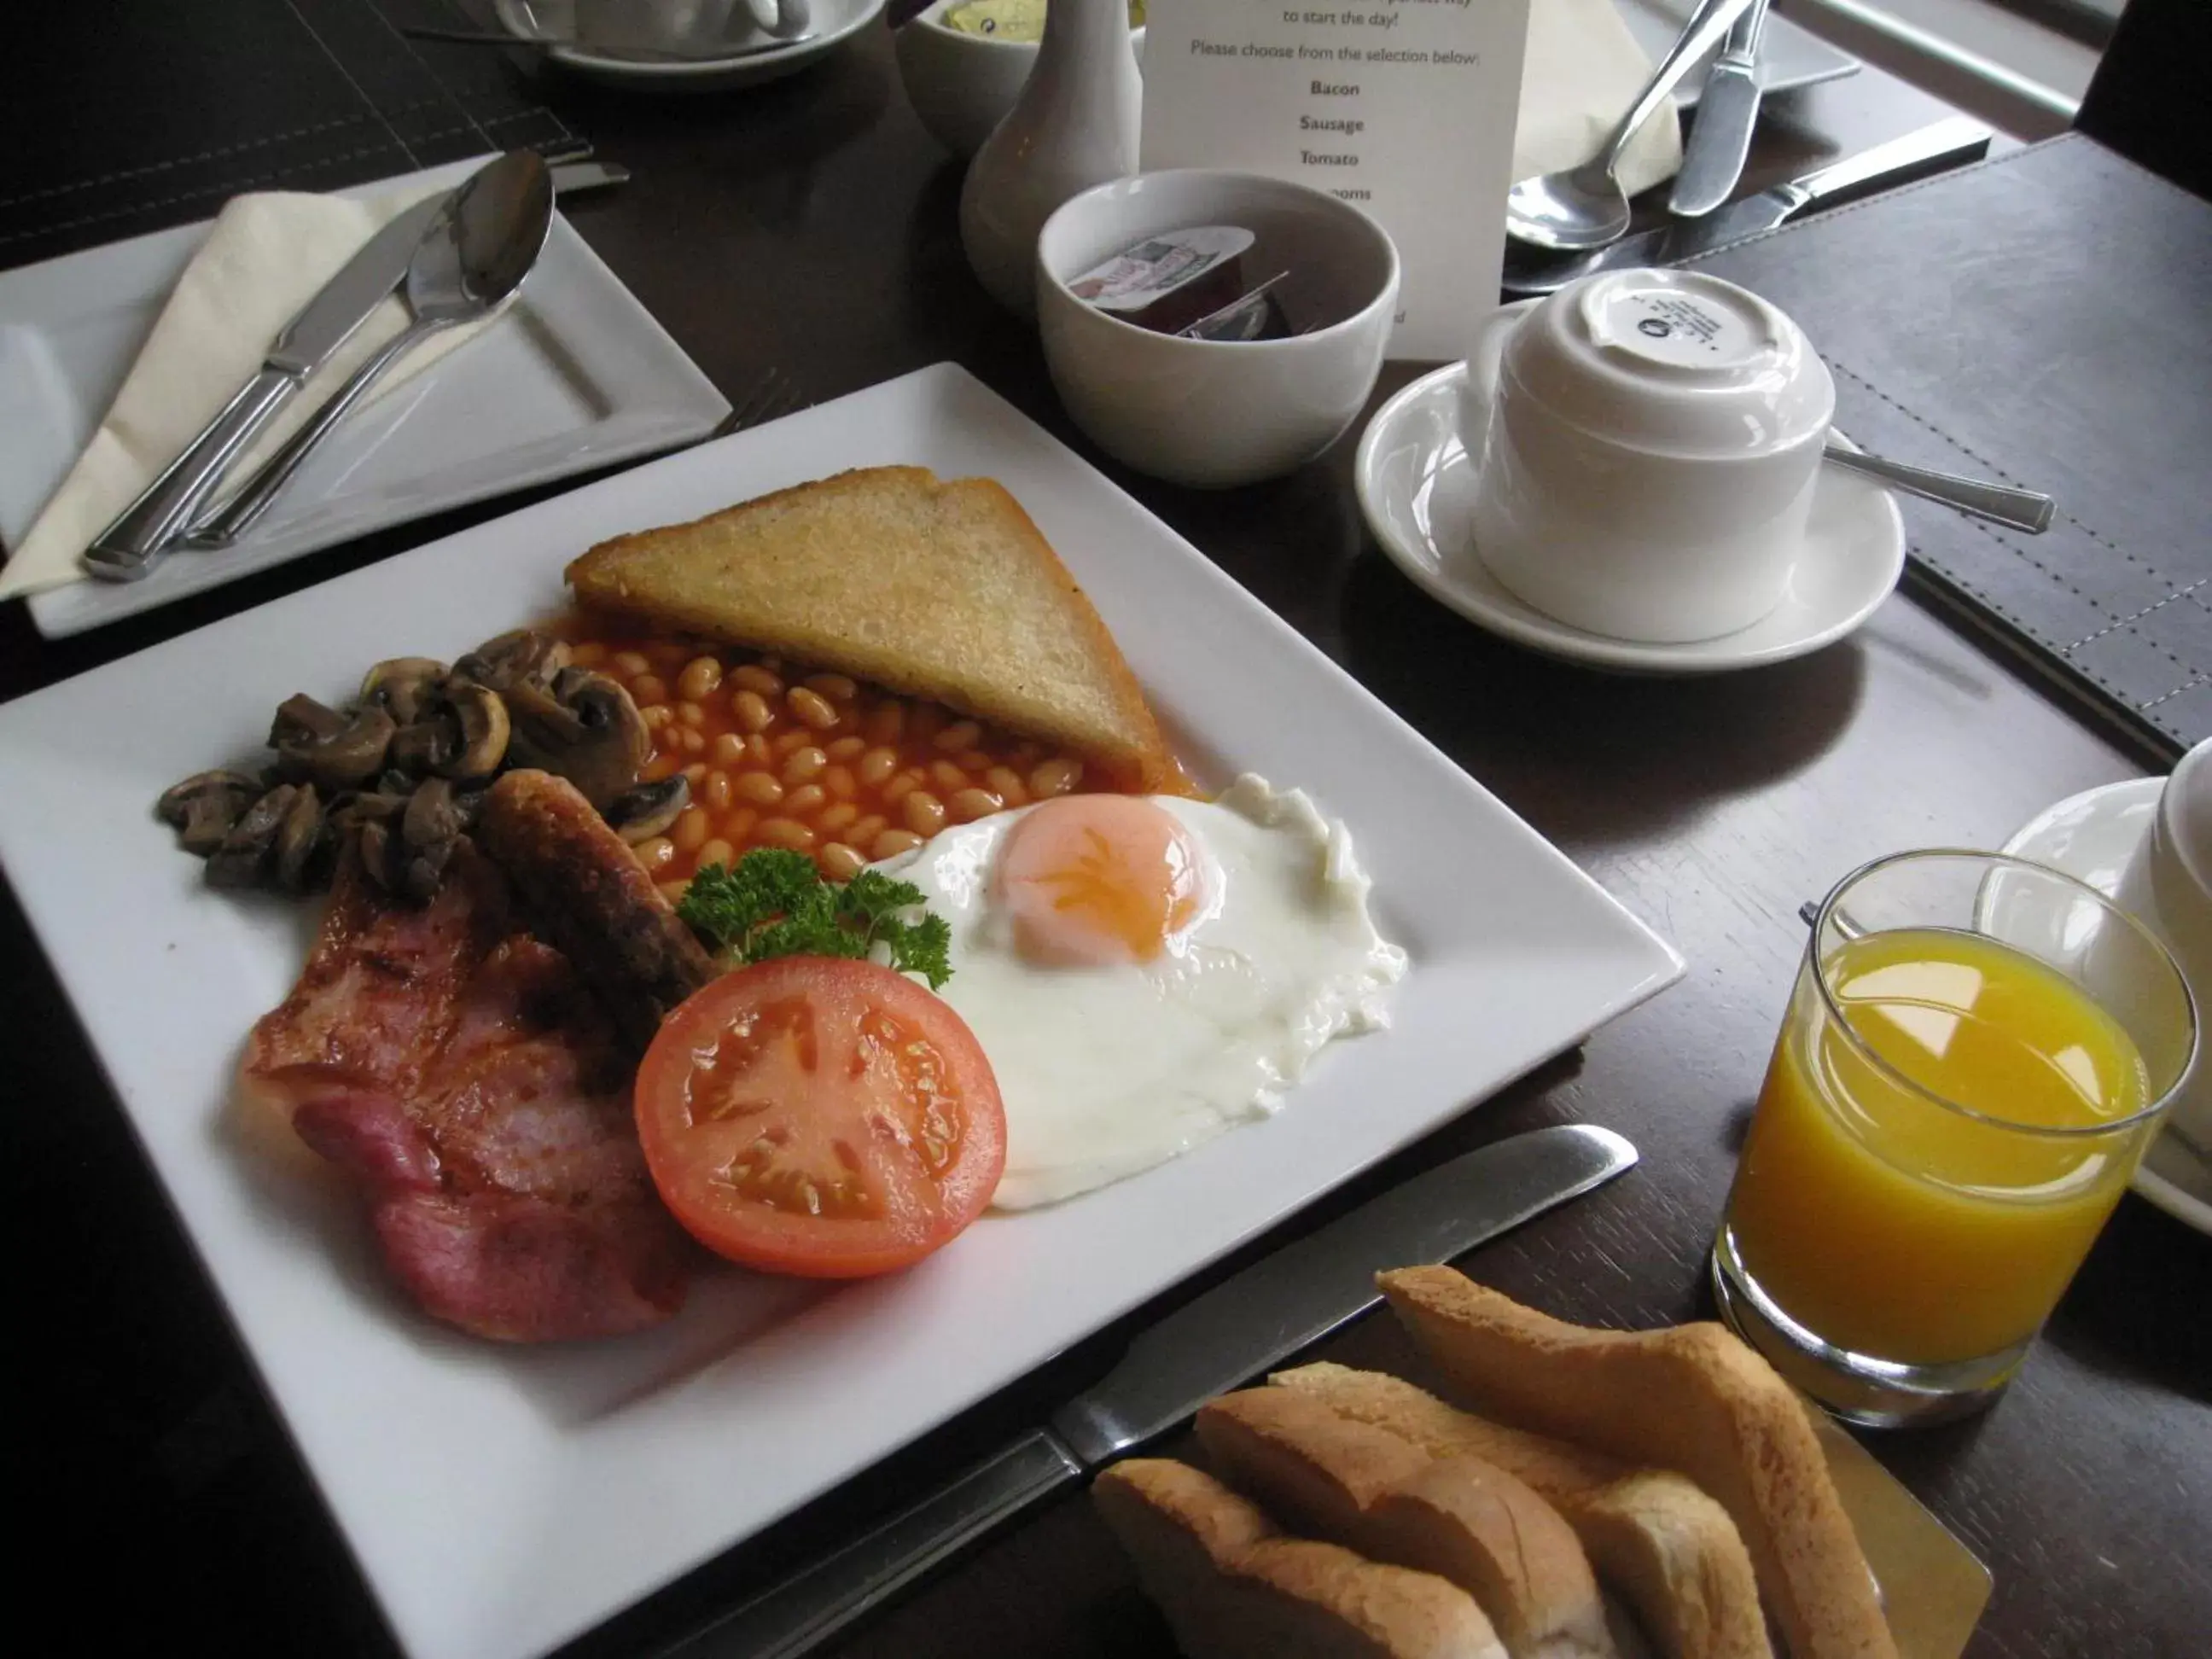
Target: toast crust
point(1691, 1398)
point(1233, 1586)
point(939, 589)
point(1465, 1520)
point(1651, 1535)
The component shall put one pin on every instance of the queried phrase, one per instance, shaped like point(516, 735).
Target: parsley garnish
point(776, 904)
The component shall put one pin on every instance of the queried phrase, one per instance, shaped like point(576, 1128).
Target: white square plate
point(500, 1500)
point(576, 375)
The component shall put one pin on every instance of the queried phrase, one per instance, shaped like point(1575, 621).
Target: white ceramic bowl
point(1650, 449)
point(1214, 413)
point(962, 85)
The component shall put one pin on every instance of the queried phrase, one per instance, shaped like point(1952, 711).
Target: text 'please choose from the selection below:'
point(1345, 47)
point(1405, 108)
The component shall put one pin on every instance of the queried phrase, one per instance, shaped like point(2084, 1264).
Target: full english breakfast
point(820, 881)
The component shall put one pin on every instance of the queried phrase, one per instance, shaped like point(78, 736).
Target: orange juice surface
point(1894, 1226)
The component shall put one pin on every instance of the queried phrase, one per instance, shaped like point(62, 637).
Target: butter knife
point(1932, 148)
point(1218, 1341)
point(1728, 110)
point(128, 549)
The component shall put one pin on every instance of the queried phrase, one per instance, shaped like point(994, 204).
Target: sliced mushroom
point(245, 852)
point(524, 657)
point(649, 809)
point(404, 687)
point(204, 806)
point(432, 814)
point(299, 838)
point(587, 731)
point(375, 848)
point(468, 804)
point(301, 718)
point(342, 759)
point(481, 721)
point(370, 806)
point(427, 746)
point(422, 868)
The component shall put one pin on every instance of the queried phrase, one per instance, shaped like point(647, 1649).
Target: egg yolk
point(1091, 880)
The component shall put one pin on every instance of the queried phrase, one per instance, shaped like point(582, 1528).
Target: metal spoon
point(2019, 509)
point(474, 254)
point(1585, 207)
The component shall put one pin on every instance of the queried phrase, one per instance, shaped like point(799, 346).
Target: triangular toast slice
point(935, 589)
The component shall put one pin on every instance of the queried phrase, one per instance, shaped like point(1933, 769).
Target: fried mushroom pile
point(401, 773)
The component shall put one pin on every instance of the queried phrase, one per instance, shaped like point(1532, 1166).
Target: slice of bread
point(1691, 1398)
point(1459, 1517)
point(934, 589)
point(1653, 1535)
point(1233, 1587)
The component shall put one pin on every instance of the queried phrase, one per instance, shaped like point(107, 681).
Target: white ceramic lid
point(1673, 361)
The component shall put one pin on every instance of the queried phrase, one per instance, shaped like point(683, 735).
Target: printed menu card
point(1405, 108)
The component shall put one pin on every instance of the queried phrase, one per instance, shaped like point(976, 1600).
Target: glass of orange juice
point(1976, 1052)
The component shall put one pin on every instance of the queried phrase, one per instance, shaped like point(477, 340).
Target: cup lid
point(1673, 362)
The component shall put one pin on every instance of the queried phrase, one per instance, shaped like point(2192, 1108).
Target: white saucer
point(835, 23)
point(2091, 836)
point(1415, 476)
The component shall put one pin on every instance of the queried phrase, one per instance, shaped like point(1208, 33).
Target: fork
point(773, 397)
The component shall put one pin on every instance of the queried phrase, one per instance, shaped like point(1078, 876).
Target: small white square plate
point(576, 375)
point(500, 1500)
point(1790, 56)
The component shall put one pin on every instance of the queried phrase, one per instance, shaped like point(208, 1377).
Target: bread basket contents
point(1588, 1492)
point(1232, 1583)
point(822, 880)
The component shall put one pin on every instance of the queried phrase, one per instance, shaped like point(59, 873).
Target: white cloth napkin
point(1583, 70)
point(265, 257)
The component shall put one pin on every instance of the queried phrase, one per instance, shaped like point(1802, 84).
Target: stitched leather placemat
point(128, 116)
point(2045, 317)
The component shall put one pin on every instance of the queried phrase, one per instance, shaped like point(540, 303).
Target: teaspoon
point(2018, 509)
point(1581, 207)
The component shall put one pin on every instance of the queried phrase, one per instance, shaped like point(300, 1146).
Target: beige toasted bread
point(1233, 1587)
point(1652, 1534)
point(1459, 1517)
point(935, 589)
point(1691, 1398)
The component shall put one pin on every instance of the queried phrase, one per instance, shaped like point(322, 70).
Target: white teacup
point(2168, 884)
point(1652, 442)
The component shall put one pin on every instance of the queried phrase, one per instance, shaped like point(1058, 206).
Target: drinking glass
point(1977, 1051)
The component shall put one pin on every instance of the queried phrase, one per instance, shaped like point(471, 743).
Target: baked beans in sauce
point(779, 755)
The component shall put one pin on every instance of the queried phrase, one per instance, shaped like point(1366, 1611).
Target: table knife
point(129, 548)
point(1728, 109)
point(1933, 149)
point(1247, 1323)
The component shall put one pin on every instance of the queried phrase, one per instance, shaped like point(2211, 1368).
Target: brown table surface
point(808, 227)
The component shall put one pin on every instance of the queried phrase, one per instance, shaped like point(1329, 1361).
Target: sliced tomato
point(821, 1117)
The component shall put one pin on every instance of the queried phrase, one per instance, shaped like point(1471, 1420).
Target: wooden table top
point(808, 227)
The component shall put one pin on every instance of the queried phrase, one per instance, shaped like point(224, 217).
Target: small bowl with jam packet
point(963, 62)
point(1213, 328)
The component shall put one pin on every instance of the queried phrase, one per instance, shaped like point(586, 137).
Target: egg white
point(1108, 1070)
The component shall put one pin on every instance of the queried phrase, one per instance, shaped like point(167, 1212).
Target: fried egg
point(1145, 973)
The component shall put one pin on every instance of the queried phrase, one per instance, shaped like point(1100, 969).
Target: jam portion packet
point(1187, 282)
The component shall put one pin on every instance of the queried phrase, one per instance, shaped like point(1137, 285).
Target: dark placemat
point(2041, 318)
point(128, 116)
